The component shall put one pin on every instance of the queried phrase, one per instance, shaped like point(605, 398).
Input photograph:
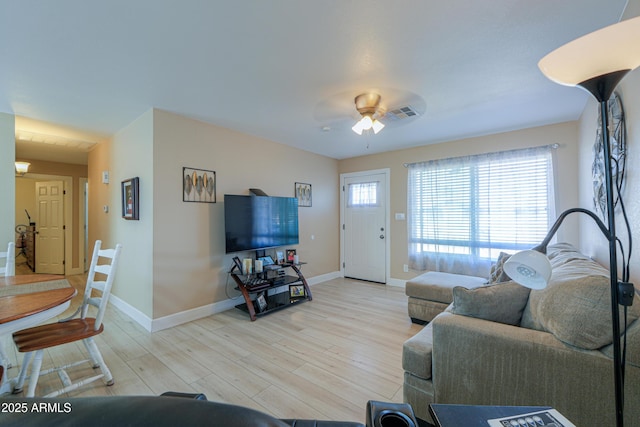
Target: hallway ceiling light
point(22, 168)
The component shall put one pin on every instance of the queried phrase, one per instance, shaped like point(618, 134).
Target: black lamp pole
point(601, 88)
point(611, 52)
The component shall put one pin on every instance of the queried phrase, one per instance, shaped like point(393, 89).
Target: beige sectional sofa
point(431, 293)
point(501, 345)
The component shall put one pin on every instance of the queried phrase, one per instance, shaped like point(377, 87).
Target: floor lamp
point(595, 62)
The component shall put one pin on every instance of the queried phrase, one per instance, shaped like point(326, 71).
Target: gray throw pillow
point(498, 274)
point(576, 305)
point(503, 303)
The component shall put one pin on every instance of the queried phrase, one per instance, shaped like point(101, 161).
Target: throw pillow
point(503, 303)
point(576, 305)
point(498, 274)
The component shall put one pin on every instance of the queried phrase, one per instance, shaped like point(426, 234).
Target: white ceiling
point(288, 70)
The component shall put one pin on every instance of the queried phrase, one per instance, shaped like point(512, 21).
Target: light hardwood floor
point(323, 359)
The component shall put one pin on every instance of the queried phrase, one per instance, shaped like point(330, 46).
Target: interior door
point(50, 227)
point(364, 227)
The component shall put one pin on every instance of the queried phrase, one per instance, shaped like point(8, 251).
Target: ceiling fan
point(368, 105)
point(397, 108)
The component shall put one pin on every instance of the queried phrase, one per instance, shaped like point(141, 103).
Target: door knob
point(382, 236)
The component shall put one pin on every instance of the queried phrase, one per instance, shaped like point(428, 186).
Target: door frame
point(387, 246)
point(68, 217)
point(83, 224)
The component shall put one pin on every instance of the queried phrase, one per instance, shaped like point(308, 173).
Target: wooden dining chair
point(34, 341)
point(9, 267)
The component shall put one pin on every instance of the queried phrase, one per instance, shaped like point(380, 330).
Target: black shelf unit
point(260, 283)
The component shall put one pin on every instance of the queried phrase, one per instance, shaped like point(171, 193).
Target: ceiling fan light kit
point(368, 105)
point(366, 123)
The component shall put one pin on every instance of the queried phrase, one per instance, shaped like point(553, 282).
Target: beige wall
point(189, 261)
point(173, 258)
point(129, 154)
point(26, 199)
point(132, 151)
point(99, 195)
point(592, 241)
point(7, 179)
point(566, 135)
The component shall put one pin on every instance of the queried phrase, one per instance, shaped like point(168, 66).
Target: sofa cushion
point(633, 344)
point(438, 286)
point(561, 253)
point(416, 353)
point(503, 302)
point(576, 304)
point(422, 310)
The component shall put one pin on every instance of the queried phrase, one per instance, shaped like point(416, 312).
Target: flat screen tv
point(259, 222)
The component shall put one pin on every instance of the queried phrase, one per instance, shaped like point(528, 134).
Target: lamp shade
point(377, 126)
point(366, 123)
point(529, 268)
point(22, 167)
point(358, 127)
point(610, 49)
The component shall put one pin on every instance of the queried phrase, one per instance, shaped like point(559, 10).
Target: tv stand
point(265, 285)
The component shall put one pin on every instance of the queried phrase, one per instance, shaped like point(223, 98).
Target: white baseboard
point(135, 314)
point(323, 278)
point(396, 282)
point(193, 314)
point(153, 325)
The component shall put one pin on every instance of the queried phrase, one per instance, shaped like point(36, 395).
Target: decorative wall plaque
point(618, 144)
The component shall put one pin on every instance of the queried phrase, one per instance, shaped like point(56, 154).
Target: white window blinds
point(462, 212)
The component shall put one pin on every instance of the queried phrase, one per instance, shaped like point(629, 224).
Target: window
point(464, 211)
point(363, 194)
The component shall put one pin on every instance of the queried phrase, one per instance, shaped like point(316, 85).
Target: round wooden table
point(28, 300)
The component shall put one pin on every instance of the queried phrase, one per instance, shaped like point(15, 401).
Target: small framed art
point(198, 185)
point(303, 194)
point(130, 198)
point(291, 255)
point(266, 260)
point(261, 302)
point(297, 291)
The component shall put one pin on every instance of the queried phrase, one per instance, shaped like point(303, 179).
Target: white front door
point(365, 226)
point(50, 227)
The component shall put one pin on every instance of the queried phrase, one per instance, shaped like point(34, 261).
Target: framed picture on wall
point(303, 194)
point(130, 198)
point(198, 185)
